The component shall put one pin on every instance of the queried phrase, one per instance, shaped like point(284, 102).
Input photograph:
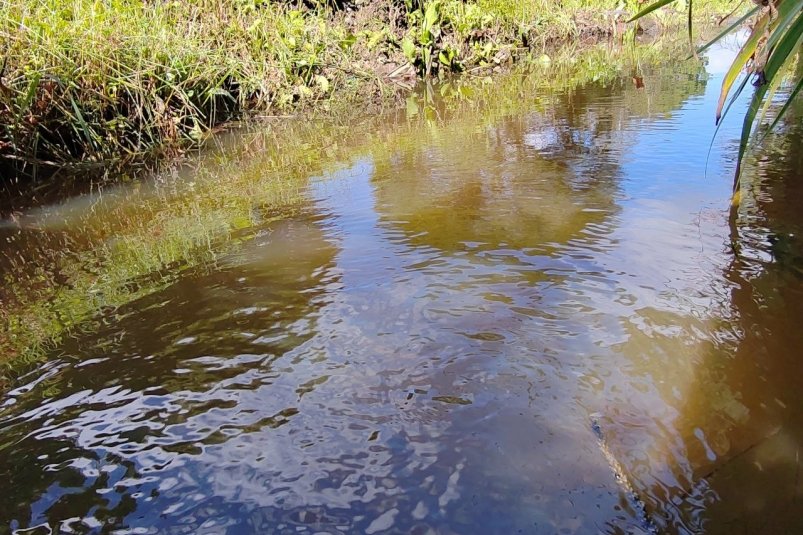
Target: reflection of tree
point(157, 381)
point(758, 479)
point(62, 264)
point(525, 180)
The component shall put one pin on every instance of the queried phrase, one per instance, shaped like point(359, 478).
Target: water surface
point(421, 324)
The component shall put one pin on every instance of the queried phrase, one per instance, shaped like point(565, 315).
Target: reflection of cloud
point(518, 186)
point(541, 140)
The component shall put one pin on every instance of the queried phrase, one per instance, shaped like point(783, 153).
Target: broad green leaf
point(409, 49)
point(431, 15)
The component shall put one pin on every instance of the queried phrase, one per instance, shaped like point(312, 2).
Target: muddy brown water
point(423, 336)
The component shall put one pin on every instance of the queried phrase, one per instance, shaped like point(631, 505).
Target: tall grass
point(88, 83)
point(91, 80)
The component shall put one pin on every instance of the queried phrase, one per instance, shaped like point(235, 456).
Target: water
point(420, 323)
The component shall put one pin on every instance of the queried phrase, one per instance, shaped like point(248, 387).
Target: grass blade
point(733, 98)
point(649, 9)
point(739, 63)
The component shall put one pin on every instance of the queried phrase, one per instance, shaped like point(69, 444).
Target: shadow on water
point(748, 478)
point(418, 335)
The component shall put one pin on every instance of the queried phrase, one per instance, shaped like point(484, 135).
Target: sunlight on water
point(481, 319)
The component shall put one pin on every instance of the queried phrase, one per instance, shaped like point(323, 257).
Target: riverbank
point(96, 85)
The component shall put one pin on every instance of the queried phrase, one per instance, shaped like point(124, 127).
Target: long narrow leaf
point(649, 9)
point(738, 64)
point(787, 12)
point(85, 130)
point(734, 96)
point(691, 40)
point(790, 41)
point(772, 88)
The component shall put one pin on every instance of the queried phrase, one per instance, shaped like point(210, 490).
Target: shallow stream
point(530, 313)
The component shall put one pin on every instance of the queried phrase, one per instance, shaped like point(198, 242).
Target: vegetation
point(768, 57)
point(88, 83)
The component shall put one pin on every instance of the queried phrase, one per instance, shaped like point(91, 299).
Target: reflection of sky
point(722, 54)
point(675, 196)
point(348, 196)
point(668, 160)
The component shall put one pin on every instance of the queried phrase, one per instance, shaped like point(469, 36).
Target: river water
point(529, 312)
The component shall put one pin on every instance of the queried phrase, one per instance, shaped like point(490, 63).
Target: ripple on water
point(421, 344)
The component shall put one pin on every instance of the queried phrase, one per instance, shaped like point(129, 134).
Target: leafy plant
point(425, 49)
point(766, 57)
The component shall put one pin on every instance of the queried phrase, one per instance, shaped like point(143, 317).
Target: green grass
point(92, 84)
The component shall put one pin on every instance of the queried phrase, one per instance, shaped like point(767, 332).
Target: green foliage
point(96, 83)
point(93, 81)
point(424, 46)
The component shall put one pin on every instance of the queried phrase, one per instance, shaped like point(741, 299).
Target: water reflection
point(420, 338)
point(756, 477)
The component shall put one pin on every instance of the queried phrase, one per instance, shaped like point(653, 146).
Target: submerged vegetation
point(89, 83)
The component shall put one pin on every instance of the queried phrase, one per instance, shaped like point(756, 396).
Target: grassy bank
point(92, 83)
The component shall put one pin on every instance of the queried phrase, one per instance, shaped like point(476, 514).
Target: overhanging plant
point(766, 58)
